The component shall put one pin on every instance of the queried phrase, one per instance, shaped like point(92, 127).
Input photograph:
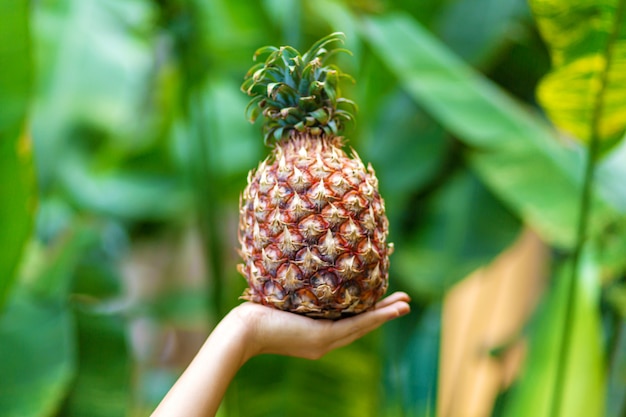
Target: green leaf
point(477, 29)
point(102, 384)
point(126, 195)
point(464, 227)
point(286, 16)
point(37, 348)
point(616, 391)
point(408, 160)
point(17, 191)
point(235, 147)
point(513, 152)
point(584, 388)
point(615, 295)
point(228, 33)
point(340, 18)
point(411, 354)
point(16, 74)
point(102, 387)
point(176, 306)
point(343, 383)
point(610, 174)
point(36, 355)
point(585, 93)
point(96, 67)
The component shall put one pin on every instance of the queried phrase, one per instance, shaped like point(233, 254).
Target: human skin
point(251, 329)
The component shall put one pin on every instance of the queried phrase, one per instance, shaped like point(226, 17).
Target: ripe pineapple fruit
point(312, 224)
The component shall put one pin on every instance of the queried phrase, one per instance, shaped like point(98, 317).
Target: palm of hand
point(274, 331)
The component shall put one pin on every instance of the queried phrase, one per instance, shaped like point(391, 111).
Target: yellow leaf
point(585, 93)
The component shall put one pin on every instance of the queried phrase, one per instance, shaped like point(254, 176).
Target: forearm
point(252, 329)
point(199, 391)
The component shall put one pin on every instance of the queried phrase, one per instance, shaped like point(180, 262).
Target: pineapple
point(312, 224)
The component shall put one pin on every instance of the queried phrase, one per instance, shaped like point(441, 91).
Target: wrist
point(239, 324)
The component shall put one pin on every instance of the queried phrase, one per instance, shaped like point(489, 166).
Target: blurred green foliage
point(17, 195)
point(127, 116)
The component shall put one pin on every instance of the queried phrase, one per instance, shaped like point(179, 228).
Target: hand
point(269, 330)
point(252, 329)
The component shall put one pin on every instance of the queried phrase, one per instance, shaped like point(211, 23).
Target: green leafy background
point(124, 146)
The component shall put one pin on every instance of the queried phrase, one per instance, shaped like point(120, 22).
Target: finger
point(370, 320)
point(348, 330)
point(396, 296)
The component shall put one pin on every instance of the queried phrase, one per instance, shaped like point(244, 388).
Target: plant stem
point(583, 223)
point(572, 282)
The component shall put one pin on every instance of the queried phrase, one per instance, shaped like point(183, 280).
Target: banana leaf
point(17, 190)
point(585, 92)
point(412, 347)
point(102, 387)
point(36, 355)
point(37, 345)
point(16, 75)
point(461, 228)
point(513, 152)
point(95, 66)
point(477, 29)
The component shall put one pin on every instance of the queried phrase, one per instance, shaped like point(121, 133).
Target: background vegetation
point(123, 149)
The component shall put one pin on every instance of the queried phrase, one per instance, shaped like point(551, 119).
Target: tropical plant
point(124, 146)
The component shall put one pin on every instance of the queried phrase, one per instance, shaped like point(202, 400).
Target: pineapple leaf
point(334, 52)
point(255, 68)
point(298, 93)
point(277, 133)
point(252, 109)
point(300, 127)
point(332, 127)
point(314, 51)
point(344, 115)
point(264, 50)
point(321, 115)
point(347, 103)
point(271, 87)
point(288, 54)
point(316, 131)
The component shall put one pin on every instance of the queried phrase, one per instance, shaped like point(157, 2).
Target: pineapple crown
point(298, 93)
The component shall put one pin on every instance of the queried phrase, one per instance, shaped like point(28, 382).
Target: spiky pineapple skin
point(313, 230)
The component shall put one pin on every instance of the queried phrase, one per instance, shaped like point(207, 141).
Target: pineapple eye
point(309, 260)
point(299, 180)
point(367, 252)
point(354, 202)
point(274, 293)
point(350, 231)
point(290, 276)
point(312, 226)
point(320, 195)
